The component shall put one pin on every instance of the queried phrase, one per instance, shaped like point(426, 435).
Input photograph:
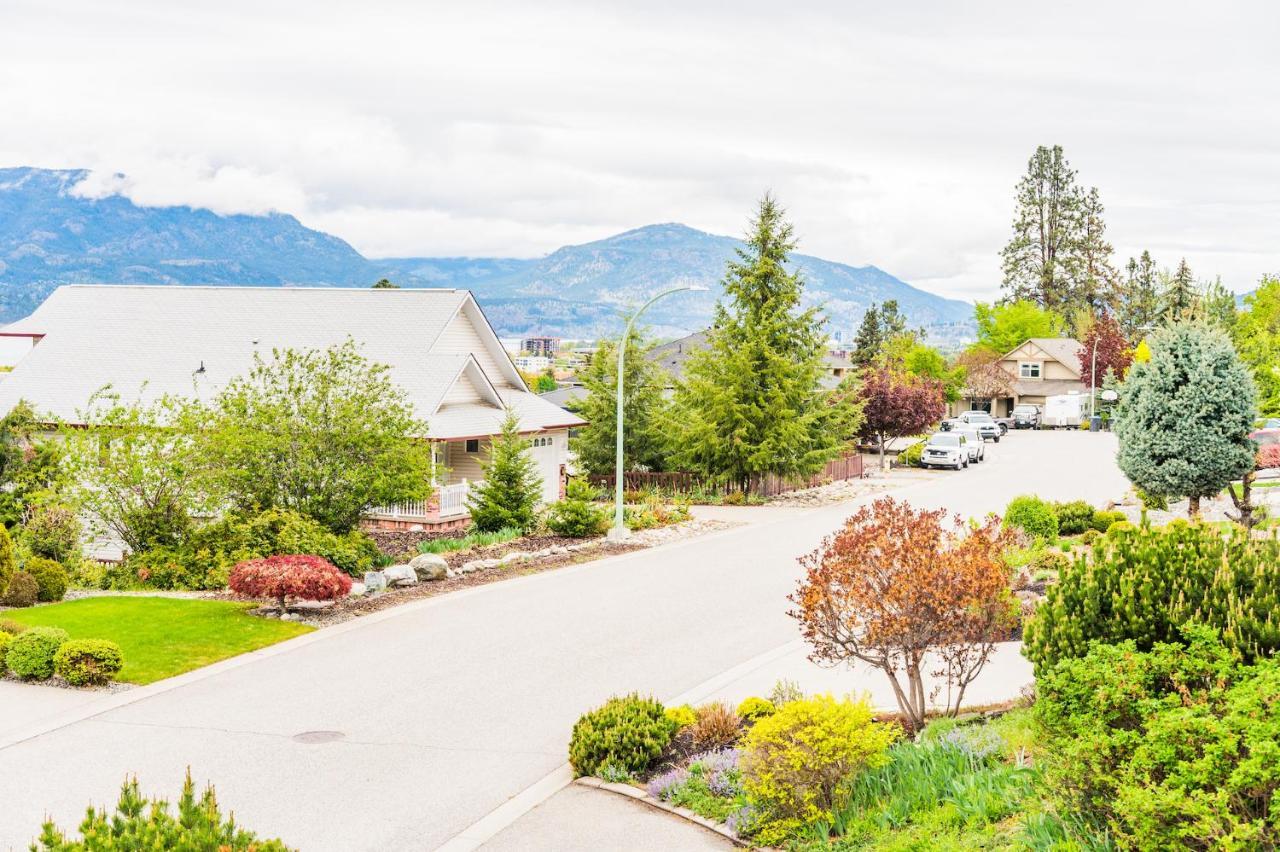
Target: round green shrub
point(683, 715)
point(22, 591)
point(754, 708)
point(1074, 517)
point(88, 662)
point(1048, 561)
point(578, 515)
point(627, 734)
point(1032, 515)
point(30, 655)
point(1089, 536)
point(51, 578)
point(6, 639)
point(1102, 520)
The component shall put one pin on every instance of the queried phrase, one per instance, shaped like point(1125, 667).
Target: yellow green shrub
point(683, 716)
point(755, 707)
point(794, 760)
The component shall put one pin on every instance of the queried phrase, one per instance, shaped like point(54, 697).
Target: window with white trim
point(1029, 369)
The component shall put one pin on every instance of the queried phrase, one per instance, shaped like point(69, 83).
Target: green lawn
point(163, 637)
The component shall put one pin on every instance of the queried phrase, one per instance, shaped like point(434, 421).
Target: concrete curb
point(642, 796)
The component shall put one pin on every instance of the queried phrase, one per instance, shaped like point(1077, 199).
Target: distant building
point(545, 346)
point(1037, 368)
point(533, 363)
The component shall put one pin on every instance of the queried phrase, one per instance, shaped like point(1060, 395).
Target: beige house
point(147, 341)
point(1037, 368)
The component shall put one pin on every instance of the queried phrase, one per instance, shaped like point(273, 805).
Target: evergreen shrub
point(626, 734)
point(88, 662)
point(1144, 583)
point(23, 591)
point(578, 515)
point(30, 655)
point(1074, 517)
point(51, 578)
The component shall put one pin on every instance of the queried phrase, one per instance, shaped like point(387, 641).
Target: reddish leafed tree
point(311, 578)
point(910, 594)
point(984, 379)
point(1113, 351)
point(897, 404)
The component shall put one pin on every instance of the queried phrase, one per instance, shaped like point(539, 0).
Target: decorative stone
point(473, 565)
point(375, 581)
point(429, 566)
point(357, 590)
point(512, 557)
point(400, 575)
point(489, 563)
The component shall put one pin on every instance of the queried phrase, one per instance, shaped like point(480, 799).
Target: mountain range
point(51, 235)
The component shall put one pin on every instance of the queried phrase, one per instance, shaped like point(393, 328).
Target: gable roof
point(1064, 350)
point(147, 341)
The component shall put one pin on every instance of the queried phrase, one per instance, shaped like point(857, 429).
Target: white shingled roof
point(146, 341)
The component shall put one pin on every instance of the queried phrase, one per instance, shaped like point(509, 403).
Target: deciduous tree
point(751, 402)
point(1113, 352)
point(1002, 327)
point(911, 594)
point(1185, 415)
point(325, 432)
point(897, 404)
point(1257, 338)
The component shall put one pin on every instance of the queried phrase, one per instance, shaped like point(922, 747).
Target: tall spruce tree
point(1185, 415)
point(866, 346)
point(752, 403)
point(511, 488)
point(1139, 303)
point(1178, 301)
point(643, 406)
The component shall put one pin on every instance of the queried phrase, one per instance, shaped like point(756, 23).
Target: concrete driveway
point(403, 729)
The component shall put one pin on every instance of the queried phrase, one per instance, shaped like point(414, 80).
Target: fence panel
point(769, 485)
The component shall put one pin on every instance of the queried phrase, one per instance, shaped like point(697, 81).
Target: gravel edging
point(638, 795)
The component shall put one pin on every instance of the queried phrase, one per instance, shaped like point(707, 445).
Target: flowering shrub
point(1269, 456)
point(795, 760)
point(282, 577)
point(660, 785)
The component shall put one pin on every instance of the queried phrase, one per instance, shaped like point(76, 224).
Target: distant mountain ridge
point(49, 236)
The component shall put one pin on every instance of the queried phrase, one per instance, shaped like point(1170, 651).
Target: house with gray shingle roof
point(1038, 368)
point(147, 341)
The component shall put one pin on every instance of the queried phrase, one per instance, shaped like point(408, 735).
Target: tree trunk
point(1244, 503)
point(281, 603)
point(1193, 507)
point(884, 462)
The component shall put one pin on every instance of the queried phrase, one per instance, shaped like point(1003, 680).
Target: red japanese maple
point(311, 578)
point(1114, 353)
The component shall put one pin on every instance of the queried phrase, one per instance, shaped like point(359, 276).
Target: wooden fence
point(769, 485)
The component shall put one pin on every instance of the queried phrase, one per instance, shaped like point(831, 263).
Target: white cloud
point(893, 134)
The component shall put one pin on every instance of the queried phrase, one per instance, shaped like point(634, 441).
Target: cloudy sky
point(893, 133)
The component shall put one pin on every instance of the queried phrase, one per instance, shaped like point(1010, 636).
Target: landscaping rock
point(375, 581)
point(512, 557)
point(488, 563)
point(429, 566)
point(357, 590)
point(400, 575)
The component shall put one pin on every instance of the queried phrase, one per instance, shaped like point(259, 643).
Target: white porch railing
point(453, 498)
point(452, 502)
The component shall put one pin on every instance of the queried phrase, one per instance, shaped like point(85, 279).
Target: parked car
point(982, 421)
point(973, 442)
point(1026, 416)
point(945, 449)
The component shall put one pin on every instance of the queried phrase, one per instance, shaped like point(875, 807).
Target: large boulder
point(429, 566)
point(400, 575)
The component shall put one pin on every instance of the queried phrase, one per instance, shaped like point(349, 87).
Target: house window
point(473, 445)
point(544, 441)
point(1029, 369)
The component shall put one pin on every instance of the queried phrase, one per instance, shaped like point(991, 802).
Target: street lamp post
point(619, 532)
point(1093, 379)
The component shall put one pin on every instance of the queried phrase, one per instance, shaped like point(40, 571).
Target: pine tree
point(751, 402)
point(643, 408)
point(1216, 305)
point(1036, 260)
point(1185, 415)
point(1058, 256)
point(511, 487)
point(1178, 301)
point(1138, 307)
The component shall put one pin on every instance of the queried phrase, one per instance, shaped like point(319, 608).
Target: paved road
point(448, 707)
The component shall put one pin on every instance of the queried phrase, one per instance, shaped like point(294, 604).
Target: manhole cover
point(313, 737)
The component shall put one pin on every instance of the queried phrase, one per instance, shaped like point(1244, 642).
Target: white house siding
point(549, 451)
point(461, 338)
point(463, 391)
